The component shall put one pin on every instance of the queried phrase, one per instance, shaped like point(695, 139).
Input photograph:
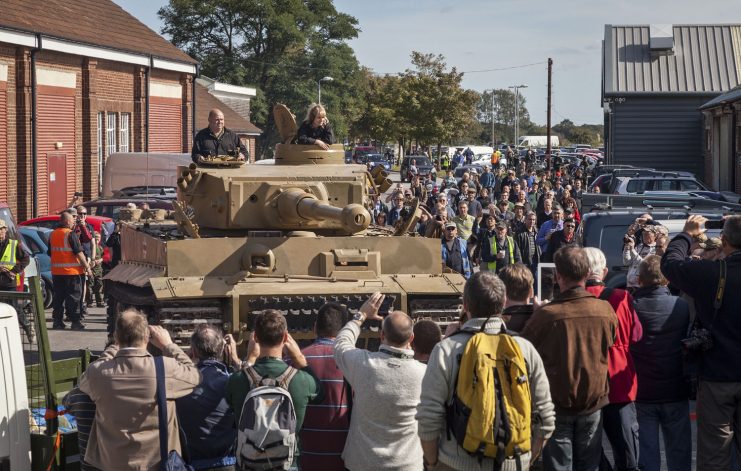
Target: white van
point(15, 434)
point(141, 169)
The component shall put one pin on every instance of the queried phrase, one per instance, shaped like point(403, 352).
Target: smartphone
point(714, 224)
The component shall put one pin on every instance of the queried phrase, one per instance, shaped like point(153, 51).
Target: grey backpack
point(266, 435)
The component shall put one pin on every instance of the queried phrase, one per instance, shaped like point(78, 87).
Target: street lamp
point(517, 109)
point(323, 79)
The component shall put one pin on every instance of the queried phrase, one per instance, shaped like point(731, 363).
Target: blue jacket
point(658, 355)
point(699, 279)
point(464, 255)
point(545, 229)
point(207, 420)
point(486, 180)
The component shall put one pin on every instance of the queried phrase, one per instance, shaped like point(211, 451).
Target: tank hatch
point(285, 122)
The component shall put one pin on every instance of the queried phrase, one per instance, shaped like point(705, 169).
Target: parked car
point(371, 160)
point(110, 207)
point(605, 230)
point(424, 166)
point(101, 224)
point(359, 151)
point(36, 239)
point(628, 185)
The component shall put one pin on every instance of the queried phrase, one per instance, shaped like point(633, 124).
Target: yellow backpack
point(489, 414)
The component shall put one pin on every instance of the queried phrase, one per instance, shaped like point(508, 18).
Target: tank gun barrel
point(297, 205)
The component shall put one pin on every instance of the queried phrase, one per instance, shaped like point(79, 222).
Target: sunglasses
point(450, 228)
point(569, 225)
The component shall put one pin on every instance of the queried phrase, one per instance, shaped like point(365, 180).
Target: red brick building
point(78, 81)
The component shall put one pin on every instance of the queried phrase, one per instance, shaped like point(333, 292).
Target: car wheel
point(48, 293)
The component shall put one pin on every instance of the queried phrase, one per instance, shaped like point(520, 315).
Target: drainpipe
point(147, 74)
point(193, 97)
point(34, 140)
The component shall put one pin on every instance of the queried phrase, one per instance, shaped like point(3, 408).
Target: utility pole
point(548, 118)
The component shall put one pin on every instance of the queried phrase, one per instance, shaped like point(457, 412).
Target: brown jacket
point(573, 334)
point(125, 434)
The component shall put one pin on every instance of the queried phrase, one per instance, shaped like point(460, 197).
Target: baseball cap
point(3, 224)
point(519, 205)
point(501, 225)
point(450, 224)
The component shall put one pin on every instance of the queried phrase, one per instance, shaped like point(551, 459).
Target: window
point(101, 151)
point(665, 185)
point(110, 133)
point(636, 186)
point(35, 249)
point(689, 185)
point(123, 143)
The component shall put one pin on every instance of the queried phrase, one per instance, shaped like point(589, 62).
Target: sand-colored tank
point(288, 236)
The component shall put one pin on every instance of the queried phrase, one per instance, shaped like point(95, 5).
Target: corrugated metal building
point(654, 79)
point(723, 140)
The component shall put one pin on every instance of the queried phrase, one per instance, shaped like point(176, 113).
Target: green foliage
point(425, 104)
point(282, 47)
point(584, 134)
point(503, 106)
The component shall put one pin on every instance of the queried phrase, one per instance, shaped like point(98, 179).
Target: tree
point(283, 47)
point(502, 109)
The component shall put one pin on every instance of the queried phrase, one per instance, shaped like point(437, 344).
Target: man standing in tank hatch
point(217, 140)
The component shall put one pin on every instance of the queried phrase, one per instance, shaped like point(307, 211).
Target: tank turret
point(305, 189)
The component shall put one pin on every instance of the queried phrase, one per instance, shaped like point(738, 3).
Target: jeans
point(67, 295)
point(718, 417)
point(673, 418)
point(621, 427)
point(576, 443)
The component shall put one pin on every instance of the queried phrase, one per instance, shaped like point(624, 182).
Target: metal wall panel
point(56, 124)
point(665, 133)
point(705, 58)
point(165, 126)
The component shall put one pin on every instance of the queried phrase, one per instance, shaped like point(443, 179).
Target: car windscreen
point(420, 161)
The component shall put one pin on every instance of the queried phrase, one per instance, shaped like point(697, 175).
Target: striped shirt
point(326, 424)
point(82, 408)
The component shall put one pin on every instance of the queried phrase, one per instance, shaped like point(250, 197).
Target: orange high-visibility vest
point(63, 260)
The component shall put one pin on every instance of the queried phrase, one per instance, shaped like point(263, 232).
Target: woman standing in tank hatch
point(315, 129)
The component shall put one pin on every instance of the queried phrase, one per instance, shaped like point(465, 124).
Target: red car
point(100, 224)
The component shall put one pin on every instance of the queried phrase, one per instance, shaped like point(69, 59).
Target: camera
point(699, 340)
point(714, 224)
point(628, 239)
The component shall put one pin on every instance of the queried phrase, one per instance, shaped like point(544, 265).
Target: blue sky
point(476, 35)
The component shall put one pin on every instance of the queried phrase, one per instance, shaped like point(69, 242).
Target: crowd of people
point(493, 219)
point(595, 360)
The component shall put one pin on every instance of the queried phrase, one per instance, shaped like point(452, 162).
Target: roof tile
point(94, 22)
point(205, 102)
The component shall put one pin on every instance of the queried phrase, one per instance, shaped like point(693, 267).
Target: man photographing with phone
point(715, 286)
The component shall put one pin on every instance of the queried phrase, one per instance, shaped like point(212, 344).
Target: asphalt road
point(66, 343)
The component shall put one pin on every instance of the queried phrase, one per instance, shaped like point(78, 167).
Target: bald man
point(216, 140)
point(386, 386)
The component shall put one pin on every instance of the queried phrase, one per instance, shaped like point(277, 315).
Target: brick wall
point(9, 177)
point(101, 86)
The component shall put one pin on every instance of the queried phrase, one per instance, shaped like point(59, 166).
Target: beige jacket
point(122, 383)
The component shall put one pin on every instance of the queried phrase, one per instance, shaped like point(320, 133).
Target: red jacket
point(621, 369)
